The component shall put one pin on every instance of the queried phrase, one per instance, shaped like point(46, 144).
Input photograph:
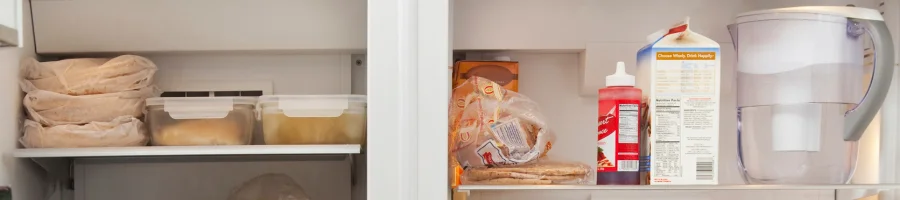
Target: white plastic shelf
point(59, 162)
point(469, 188)
point(234, 150)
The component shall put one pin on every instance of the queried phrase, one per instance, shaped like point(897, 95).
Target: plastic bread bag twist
point(492, 126)
point(270, 187)
point(542, 172)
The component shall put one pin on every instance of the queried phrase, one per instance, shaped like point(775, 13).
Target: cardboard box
point(505, 73)
point(680, 74)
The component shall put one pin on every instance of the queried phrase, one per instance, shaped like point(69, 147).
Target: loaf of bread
point(52, 109)
point(193, 132)
point(121, 131)
point(85, 76)
point(491, 126)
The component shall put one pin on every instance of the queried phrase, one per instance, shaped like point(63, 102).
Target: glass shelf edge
point(463, 188)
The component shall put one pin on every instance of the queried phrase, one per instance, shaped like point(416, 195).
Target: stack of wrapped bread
point(88, 102)
point(500, 137)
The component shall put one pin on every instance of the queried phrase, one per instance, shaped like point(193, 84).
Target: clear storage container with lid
point(187, 121)
point(313, 119)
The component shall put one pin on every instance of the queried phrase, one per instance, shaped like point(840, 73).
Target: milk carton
point(679, 72)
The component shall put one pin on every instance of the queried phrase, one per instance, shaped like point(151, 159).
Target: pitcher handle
point(858, 119)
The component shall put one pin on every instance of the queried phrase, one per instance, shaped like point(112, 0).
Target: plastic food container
point(189, 121)
point(313, 119)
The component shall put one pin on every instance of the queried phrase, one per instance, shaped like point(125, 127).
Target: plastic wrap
point(51, 109)
point(270, 187)
point(85, 76)
point(121, 131)
point(537, 173)
point(492, 126)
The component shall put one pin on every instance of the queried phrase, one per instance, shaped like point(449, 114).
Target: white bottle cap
point(620, 78)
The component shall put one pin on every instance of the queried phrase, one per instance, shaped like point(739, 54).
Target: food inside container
point(313, 119)
point(189, 121)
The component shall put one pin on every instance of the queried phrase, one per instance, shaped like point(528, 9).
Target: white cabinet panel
point(9, 22)
point(198, 25)
point(204, 180)
point(8, 12)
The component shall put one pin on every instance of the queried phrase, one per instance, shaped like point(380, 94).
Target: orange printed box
point(505, 73)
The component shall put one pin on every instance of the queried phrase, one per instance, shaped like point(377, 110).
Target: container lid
point(199, 107)
point(837, 11)
point(310, 105)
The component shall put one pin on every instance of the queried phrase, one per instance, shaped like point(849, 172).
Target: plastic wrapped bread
point(86, 76)
point(121, 131)
point(491, 126)
point(538, 173)
point(51, 109)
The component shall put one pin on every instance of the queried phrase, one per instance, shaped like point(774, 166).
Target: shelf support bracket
point(353, 178)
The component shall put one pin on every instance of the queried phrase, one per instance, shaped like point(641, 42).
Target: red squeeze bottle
point(618, 141)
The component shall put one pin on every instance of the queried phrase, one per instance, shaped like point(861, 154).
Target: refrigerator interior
point(566, 48)
point(552, 40)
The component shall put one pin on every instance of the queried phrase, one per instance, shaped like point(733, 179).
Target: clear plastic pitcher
point(804, 94)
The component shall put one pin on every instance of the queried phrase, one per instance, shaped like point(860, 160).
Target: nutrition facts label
point(628, 123)
point(667, 119)
point(684, 116)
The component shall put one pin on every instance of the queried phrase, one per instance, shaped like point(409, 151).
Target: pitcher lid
point(837, 11)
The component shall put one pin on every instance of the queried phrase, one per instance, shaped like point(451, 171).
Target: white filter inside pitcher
point(796, 127)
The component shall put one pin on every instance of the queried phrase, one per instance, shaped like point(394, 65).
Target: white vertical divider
point(407, 80)
point(433, 96)
point(389, 150)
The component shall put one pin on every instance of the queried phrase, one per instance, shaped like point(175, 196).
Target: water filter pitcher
point(804, 94)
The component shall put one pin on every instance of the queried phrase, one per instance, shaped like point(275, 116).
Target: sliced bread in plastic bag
point(492, 126)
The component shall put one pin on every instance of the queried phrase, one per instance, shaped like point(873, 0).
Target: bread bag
point(492, 126)
point(121, 131)
point(51, 109)
point(86, 76)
